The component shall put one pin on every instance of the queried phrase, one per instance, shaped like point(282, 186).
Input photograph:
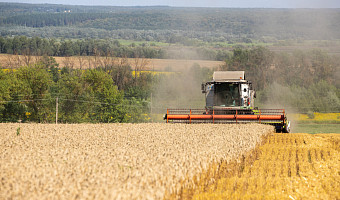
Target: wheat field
point(115, 161)
point(85, 62)
point(166, 161)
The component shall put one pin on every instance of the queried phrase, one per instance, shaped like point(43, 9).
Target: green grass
point(137, 43)
point(316, 128)
point(322, 122)
point(235, 44)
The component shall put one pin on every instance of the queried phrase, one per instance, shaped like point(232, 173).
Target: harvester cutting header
point(229, 98)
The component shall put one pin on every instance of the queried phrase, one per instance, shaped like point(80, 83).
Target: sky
point(198, 3)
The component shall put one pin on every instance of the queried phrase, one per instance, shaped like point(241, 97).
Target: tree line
point(39, 46)
point(52, 19)
point(36, 46)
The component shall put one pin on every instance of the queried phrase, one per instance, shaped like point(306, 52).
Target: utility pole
point(56, 110)
point(151, 104)
point(151, 108)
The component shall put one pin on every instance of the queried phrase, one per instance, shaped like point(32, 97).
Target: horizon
point(197, 4)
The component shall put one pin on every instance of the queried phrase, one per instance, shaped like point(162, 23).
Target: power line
point(103, 103)
point(82, 101)
point(12, 101)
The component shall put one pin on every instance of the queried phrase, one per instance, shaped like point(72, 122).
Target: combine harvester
point(229, 99)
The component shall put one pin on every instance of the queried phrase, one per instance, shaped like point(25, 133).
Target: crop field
point(166, 161)
point(316, 123)
point(287, 166)
point(115, 161)
point(85, 62)
point(317, 118)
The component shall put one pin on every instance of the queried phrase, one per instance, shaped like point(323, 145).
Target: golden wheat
point(85, 62)
point(115, 161)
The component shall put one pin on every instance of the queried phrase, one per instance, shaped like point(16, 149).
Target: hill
point(170, 24)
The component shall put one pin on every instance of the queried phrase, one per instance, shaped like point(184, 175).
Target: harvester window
point(227, 95)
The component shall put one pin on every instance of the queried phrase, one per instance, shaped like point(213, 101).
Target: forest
point(168, 24)
point(23, 45)
point(36, 46)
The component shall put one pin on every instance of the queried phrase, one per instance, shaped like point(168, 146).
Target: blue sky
point(199, 3)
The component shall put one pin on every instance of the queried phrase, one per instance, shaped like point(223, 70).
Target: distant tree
point(11, 90)
point(256, 62)
point(66, 48)
point(5, 85)
point(100, 86)
point(91, 96)
point(35, 85)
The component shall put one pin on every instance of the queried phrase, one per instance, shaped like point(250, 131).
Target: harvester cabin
point(228, 89)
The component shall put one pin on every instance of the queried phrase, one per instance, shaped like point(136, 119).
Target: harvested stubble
point(287, 166)
point(114, 161)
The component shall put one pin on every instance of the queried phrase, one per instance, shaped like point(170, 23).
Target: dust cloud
point(309, 24)
point(182, 53)
point(180, 90)
point(279, 97)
